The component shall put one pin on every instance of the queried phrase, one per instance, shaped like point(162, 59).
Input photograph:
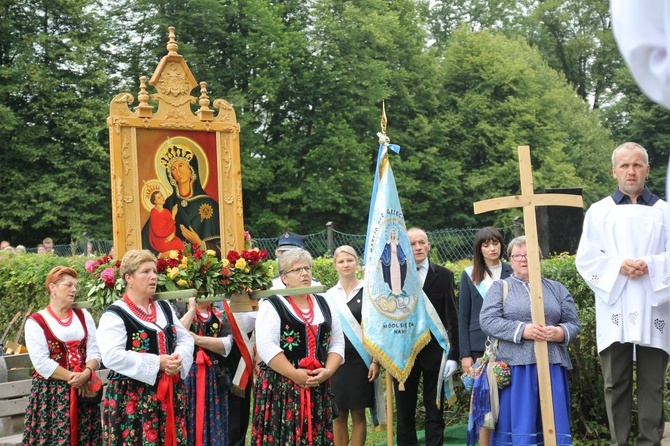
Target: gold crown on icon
point(151, 189)
point(175, 153)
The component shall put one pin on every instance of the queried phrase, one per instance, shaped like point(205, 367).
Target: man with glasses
point(623, 255)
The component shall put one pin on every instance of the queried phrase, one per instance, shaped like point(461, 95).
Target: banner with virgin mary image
point(397, 316)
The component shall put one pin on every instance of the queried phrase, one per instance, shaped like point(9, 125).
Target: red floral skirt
point(276, 418)
point(133, 416)
point(48, 417)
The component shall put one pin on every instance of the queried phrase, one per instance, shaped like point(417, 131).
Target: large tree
point(494, 94)
point(54, 99)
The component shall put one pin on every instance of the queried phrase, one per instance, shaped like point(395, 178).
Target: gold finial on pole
point(172, 42)
point(384, 121)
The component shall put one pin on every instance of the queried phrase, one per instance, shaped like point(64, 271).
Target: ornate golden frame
point(172, 117)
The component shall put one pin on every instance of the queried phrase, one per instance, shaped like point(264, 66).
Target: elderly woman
point(353, 383)
point(207, 399)
point(150, 354)
point(62, 347)
point(301, 345)
point(509, 320)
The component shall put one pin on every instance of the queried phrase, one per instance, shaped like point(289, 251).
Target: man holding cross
point(624, 256)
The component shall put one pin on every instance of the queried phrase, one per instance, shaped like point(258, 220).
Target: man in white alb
point(624, 256)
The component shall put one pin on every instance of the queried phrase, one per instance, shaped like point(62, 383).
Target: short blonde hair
point(133, 259)
point(345, 249)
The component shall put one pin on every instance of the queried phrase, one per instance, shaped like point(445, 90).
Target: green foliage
point(322, 269)
point(22, 284)
point(588, 414)
point(22, 278)
point(54, 94)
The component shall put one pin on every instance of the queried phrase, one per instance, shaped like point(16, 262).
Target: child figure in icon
point(162, 225)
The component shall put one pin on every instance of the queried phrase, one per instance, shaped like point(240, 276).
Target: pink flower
point(108, 276)
point(91, 266)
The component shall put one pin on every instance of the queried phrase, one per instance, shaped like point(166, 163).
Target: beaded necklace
point(306, 316)
point(64, 322)
point(151, 316)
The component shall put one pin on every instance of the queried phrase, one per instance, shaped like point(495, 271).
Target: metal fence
point(447, 244)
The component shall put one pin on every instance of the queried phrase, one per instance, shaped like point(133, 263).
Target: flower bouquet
point(191, 268)
point(105, 284)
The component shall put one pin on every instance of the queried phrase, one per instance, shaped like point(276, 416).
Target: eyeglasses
point(299, 270)
point(70, 285)
point(518, 257)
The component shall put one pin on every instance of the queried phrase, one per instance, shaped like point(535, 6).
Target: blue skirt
point(520, 420)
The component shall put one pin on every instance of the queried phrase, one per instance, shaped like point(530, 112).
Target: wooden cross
point(529, 201)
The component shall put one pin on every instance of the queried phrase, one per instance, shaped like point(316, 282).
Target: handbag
point(222, 375)
point(334, 408)
point(94, 392)
point(484, 379)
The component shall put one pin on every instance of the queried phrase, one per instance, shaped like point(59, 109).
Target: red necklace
point(306, 316)
point(151, 316)
point(64, 322)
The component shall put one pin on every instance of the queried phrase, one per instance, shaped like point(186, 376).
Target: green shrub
point(22, 284)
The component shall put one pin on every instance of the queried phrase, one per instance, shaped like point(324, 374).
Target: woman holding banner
point(300, 343)
point(353, 383)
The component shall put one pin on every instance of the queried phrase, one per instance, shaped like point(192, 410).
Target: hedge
point(22, 284)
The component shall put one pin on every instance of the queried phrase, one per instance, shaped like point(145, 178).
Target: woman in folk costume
point(507, 317)
point(354, 383)
point(150, 354)
point(475, 282)
point(207, 400)
point(300, 343)
point(63, 350)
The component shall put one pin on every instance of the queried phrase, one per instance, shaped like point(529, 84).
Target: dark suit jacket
point(471, 337)
point(439, 287)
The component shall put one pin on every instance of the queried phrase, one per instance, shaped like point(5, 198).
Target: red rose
point(197, 254)
point(289, 415)
point(233, 256)
point(161, 265)
point(125, 433)
point(130, 408)
point(152, 435)
point(136, 343)
point(263, 254)
point(144, 335)
point(172, 263)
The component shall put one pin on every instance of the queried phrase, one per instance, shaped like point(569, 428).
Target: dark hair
point(479, 268)
point(152, 198)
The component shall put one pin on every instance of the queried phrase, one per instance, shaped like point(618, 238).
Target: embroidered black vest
point(143, 339)
point(57, 348)
point(293, 331)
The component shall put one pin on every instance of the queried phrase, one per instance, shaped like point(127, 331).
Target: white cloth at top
point(36, 341)
point(641, 31)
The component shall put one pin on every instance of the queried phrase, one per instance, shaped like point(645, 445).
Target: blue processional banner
point(397, 316)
